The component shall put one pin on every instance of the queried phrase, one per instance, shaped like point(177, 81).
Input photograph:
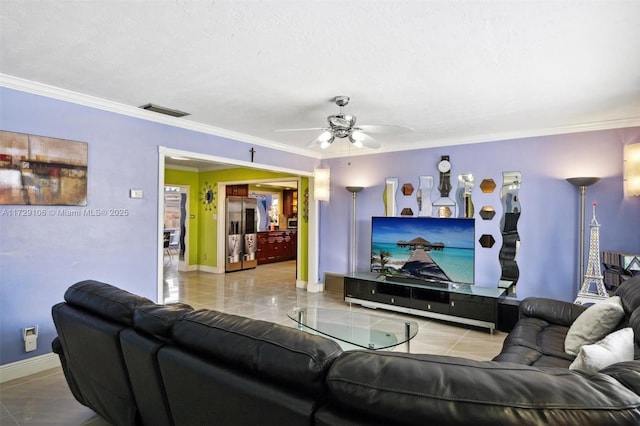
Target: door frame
point(221, 243)
point(313, 283)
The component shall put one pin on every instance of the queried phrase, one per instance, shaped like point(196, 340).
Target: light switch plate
point(136, 193)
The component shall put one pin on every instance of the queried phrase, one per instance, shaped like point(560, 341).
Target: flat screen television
point(423, 249)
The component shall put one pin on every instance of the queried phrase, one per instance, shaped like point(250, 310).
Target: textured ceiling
point(455, 71)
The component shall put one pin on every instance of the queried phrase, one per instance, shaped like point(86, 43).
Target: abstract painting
point(39, 170)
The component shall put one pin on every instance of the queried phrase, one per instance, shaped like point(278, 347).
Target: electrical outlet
point(30, 336)
point(204, 256)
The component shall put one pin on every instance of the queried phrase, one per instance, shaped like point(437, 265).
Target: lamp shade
point(322, 186)
point(583, 181)
point(632, 170)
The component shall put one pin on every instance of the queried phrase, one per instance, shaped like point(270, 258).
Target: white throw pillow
point(593, 324)
point(616, 347)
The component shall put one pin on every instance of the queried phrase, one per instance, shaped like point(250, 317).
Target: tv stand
point(460, 303)
point(409, 280)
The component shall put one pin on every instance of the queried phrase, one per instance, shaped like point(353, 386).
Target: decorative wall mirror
point(407, 189)
point(406, 212)
point(487, 212)
point(389, 196)
point(423, 196)
point(487, 186)
point(509, 226)
point(208, 196)
point(463, 195)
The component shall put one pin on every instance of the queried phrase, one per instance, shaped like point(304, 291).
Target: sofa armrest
point(551, 310)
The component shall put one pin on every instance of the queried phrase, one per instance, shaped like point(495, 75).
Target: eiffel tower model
point(593, 275)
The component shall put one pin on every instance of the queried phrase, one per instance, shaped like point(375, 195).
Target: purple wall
point(549, 221)
point(41, 256)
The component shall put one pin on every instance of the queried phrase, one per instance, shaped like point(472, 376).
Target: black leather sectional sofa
point(138, 363)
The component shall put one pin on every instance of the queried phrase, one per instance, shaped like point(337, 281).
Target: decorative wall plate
point(208, 196)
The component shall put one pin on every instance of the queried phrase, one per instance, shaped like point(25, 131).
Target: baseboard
point(210, 269)
point(315, 287)
point(18, 369)
point(188, 268)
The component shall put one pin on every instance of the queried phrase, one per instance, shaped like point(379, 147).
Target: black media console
point(461, 303)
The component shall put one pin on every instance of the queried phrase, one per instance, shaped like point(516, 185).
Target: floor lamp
point(354, 191)
point(582, 183)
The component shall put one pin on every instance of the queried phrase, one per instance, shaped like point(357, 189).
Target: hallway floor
point(266, 293)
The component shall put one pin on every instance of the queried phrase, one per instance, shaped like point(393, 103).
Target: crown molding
point(496, 137)
point(58, 93)
point(28, 86)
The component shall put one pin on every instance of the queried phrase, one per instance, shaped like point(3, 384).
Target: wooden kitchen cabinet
point(289, 202)
point(237, 190)
point(277, 246)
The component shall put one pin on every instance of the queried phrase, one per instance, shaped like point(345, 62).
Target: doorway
point(309, 279)
point(277, 236)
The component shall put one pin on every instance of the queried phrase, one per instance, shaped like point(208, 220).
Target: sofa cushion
point(534, 341)
point(615, 347)
point(593, 324)
point(280, 354)
point(105, 300)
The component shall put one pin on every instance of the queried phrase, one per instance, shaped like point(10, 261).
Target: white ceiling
point(455, 71)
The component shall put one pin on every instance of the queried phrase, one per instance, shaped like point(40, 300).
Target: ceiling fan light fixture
point(343, 126)
point(325, 136)
point(356, 137)
point(341, 121)
point(325, 144)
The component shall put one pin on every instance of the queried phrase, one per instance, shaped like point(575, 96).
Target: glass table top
point(361, 330)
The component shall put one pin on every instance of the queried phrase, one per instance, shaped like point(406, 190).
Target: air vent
point(163, 110)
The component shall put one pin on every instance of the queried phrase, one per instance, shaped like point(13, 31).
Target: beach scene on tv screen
point(435, 249)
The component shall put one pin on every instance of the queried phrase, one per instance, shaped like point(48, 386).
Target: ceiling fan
point(344, 126)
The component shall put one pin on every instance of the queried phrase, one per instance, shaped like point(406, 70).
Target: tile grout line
point(457, 341)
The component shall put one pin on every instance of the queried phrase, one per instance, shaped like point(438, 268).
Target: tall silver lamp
point(582, 183)
point(354, 191)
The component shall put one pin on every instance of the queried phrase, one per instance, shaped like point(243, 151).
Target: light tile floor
point(267, 293)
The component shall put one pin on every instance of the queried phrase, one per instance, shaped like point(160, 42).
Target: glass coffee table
point(355, 330)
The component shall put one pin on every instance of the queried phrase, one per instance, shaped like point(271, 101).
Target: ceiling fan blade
point(370, 142)
point(314, 142)
point(301, 130)
point(383, 128)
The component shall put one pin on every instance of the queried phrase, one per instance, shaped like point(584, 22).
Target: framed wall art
point(39, 170)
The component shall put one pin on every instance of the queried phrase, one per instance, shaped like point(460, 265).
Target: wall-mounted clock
point(444, 206)
point(208, 196)
point(444, 166)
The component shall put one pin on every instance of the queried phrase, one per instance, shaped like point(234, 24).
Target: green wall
point(303, 229)
point(203, 228)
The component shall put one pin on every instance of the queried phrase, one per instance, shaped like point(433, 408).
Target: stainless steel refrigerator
point(241, 233)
